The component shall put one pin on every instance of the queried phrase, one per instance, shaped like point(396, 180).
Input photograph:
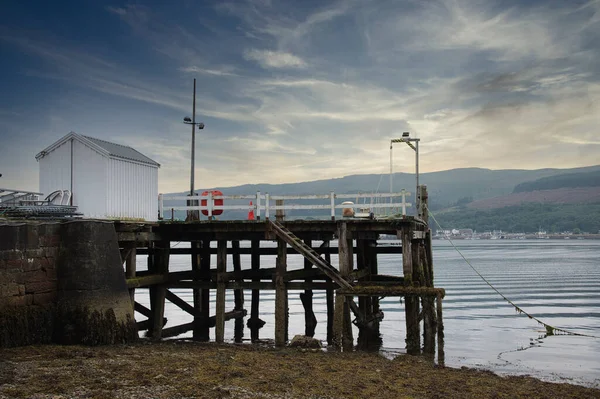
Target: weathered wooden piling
point(342, 328)
point(310, 320)
point(329, 297)
point(238, 294)
point(220, 306)
point(411, 304)
point(281, 300)
point(255, 323)
point(196, 261)
point(160, 266)
point(130, 267)
point(440, 331)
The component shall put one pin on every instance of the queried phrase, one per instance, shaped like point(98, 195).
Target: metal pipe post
point(417, 177)
point(193, 140)
point(391, 178)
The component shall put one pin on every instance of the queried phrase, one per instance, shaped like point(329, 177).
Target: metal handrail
point(262, 202)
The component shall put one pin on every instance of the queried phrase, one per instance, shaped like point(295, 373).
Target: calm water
point(557, 281)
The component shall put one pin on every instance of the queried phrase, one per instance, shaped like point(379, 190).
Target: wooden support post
point(364, 302)
point(238, 294)
point(281, 300)
point(202, 302)
point(411, 303)
point(440, 332)
point(220, 307)
point(160, 266)
point(429, 319)
point(369, 336)
point(254, 322)
point(407, 266)
point(423, 203)
point(196, 294)
point(279, 213)
point(130, 270)
point(429, 256)
point(329, 299)
point(371, 264)
point(310, 320)
point(342, 325)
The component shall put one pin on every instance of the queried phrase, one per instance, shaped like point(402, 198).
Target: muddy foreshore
point(192, 370)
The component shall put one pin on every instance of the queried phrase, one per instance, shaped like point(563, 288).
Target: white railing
point(262, 202)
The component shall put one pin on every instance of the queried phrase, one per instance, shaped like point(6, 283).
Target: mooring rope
point(550, 330)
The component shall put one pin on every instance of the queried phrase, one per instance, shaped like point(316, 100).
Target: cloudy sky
point(301, 90)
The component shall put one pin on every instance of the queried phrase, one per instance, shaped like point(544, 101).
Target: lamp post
point(409, 141)
point(193, 215)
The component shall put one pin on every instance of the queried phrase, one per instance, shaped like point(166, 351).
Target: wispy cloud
point(282, 85)
point(274, 59)
point(205, 71)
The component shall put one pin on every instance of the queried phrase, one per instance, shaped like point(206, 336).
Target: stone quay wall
point(62, 282)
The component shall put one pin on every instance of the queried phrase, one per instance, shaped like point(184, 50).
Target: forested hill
point(563, 202)
point(568, 180)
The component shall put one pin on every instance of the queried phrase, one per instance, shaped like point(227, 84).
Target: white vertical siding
point(89, 177)
point(132, 190)
point(55, 170)
point(103, 187)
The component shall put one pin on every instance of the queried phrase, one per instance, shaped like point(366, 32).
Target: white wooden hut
point(107, 180)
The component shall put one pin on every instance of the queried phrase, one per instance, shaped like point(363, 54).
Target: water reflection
point(559, 282)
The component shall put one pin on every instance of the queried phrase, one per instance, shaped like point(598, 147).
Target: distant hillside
point(525, 218)
point(578, 195)
point(568, 180)
point(446, 188)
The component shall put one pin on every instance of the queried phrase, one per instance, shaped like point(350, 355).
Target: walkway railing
point(263, 203)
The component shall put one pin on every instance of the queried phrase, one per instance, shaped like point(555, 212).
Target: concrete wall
point(63, 283)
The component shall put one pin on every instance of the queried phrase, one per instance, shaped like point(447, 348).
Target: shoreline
point(183, 369)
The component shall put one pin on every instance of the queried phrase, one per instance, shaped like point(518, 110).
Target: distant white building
point(107, 180)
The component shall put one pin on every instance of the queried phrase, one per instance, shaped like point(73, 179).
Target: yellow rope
point(550, 330)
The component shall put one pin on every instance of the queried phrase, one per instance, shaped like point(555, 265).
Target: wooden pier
point(353, 287)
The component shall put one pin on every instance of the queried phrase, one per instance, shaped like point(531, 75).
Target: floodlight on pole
point(192, 121)
point(409, 141)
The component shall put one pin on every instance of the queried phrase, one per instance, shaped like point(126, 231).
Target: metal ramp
point(309, 254)
point(25, 204)
point(12, 197)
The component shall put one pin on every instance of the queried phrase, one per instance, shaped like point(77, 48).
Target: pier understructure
point(353, 289)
